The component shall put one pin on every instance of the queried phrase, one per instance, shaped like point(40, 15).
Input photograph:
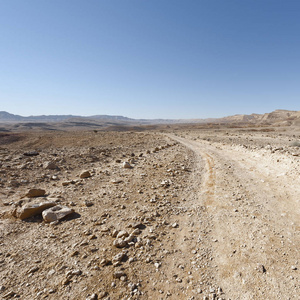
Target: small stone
point(165, 183)
point(116, 181)
point(119, 274)
point(74, 253)
point(119, 243)
point(85, 174)
point(68, 182)
point(92, 297)
point(66, 281)
point(294, 268)
point(50, 165)
point(33, 270)
point(175, 225)
point(9, 294)
point(56, 213)
point(122, 234)
point(88, 203)
point(138, 225)
point(130, 238)
point(77, 272)
point(102, 295)
point(132, 286)
point(105, 262)
point(35, 193)
point(157, 265)
point(118, 258)
point(31, 153)
point(261, 268)
point(115, 233)
point(126, 165)
point(136, 232)
point(139, 244)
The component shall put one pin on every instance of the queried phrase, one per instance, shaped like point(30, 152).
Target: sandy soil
point(212, 215)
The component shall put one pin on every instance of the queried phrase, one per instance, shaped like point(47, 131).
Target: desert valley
point(126, 209)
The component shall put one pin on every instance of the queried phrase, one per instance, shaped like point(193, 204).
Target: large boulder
point(35, 193)
point(85, 174)
point(56, 213)
point(32, 209)
point(50, 165)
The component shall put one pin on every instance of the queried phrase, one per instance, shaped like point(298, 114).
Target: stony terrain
point(184, 214)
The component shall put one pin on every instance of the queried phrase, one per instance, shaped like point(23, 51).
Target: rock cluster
point(33, 209)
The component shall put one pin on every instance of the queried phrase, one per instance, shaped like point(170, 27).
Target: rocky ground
point(193, 214)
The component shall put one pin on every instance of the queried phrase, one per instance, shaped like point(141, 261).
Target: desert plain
point(171, 212)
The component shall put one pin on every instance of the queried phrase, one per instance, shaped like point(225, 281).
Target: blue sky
point(149, 58)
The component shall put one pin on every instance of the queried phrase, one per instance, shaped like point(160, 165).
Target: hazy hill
point(7, 117)
point(277, 117)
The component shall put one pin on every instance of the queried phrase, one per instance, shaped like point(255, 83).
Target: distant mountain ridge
point(277, 117)
point(5, 116)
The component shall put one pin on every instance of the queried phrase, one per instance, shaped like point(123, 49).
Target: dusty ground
point(214, 215)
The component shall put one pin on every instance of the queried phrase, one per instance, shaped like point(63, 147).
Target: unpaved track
point(254, 213)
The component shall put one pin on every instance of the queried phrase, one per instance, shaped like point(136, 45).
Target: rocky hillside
point(277, 117)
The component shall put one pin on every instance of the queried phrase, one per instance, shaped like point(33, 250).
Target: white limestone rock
point(56, 213)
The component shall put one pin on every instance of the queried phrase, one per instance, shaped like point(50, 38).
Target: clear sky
point(149, 58)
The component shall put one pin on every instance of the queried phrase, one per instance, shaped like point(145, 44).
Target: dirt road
point(212, 216)
point(252, 201)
